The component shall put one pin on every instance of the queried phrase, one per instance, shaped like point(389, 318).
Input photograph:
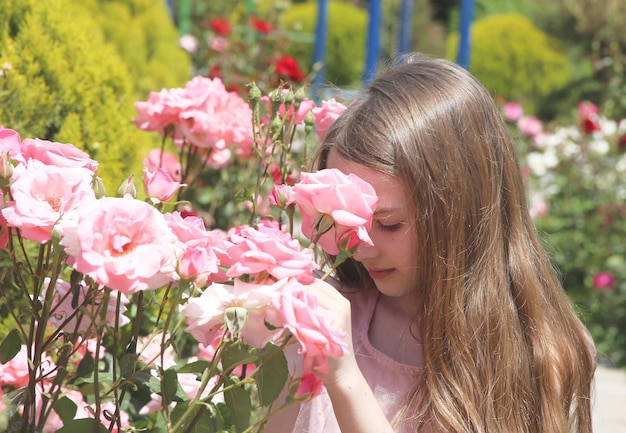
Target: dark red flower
point(221, 26)
point(215, 71)
point(621, 142)
point(588, 114)
point(287, 67)
point(261, 26)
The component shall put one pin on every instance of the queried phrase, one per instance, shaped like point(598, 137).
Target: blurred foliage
point(577, 186)
point(241, 45)
point(513, 58)
point(345, 44)
point(593, 31)
point(62, 80)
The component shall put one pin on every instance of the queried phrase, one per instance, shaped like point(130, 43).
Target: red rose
point(261, 26)
point(221, 26)
point(287, 67)
point(588, 114)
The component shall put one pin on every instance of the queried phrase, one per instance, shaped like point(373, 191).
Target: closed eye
point(389, 228)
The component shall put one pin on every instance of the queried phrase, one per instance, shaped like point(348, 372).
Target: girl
point(459, 321)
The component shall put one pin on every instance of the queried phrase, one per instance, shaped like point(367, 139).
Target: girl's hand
point(337, 308)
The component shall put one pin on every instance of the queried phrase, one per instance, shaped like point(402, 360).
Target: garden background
point(72, 70)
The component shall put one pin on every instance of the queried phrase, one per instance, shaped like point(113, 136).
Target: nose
point(365, 252)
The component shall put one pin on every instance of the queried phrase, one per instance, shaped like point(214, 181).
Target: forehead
point(390, 189)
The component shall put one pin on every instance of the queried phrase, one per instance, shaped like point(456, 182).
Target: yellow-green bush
point(513, 58)
point(62, 80)
point(146, 40)
point(345, 44)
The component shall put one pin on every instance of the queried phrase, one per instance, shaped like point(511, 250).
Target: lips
point(379, 274)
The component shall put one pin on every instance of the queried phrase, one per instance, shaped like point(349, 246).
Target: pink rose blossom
point(326, 115)
point(218, 158)
point(268, 249)
point(530, 126)
point(314, 331)
point(216, 118)
point(335, 208)
point(218, 44)
point(11, 145)
point(309, 386)
point(165, 160)
point(205, 314)
point(122, 243)
point(42, 194)
point(589, 115)
point(58, 154)
point(281, 196)
point(604, 281)
point(161, 112)
point(512, 111)
point(200, 252)
point(159, 184)
point(4, 227)
point(62, 309)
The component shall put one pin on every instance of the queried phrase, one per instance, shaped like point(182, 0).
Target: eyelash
point(389, 228)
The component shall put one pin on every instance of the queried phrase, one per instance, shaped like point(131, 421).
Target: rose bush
point(576, 181)
point(130, 312)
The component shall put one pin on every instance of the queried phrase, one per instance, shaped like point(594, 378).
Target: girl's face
point(391, 261)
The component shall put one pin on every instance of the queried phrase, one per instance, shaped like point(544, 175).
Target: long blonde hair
point(503, 349)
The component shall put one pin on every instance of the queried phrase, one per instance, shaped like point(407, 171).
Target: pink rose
point(604, 281)
point(63, 313)
point(530, 126)
point(11, 145)
point(161, 112)
point(42, 194)
point(206, 313)
point(58, 154)
point(268, 249)
point(336, 208)
point(216, 118)
point(200, 252)
point(309, 386)
point(314, 331)
point(122, 243)
point(165, 160)
point(512, 111)
point(281, 196)
point(159, 184)
point(326, 115)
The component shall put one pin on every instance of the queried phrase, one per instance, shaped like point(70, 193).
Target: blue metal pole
point(373, 40)
point(467, 9)
point(319, 50)
point(406, 21)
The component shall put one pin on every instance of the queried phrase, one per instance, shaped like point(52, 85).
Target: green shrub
point(145, 39)
point(345, 44)
point(513, 58)
point(62, 81)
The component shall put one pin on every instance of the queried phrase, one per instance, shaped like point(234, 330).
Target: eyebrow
point(388, 210)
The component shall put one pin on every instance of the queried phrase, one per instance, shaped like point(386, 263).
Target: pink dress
point(390, 380)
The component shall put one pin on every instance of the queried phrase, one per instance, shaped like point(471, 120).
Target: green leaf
point(271, 378)
point(65, 408)
point(195, 367)
point(86, 366)
point(81, 426)
point(170, 385)
point(238, 354)
point(238, 401)
point(10, 346)
point(128, 362)
point(205, 421)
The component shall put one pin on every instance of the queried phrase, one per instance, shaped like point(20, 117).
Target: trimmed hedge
point(345, 44)
point(62, 80)
point(513, 58)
